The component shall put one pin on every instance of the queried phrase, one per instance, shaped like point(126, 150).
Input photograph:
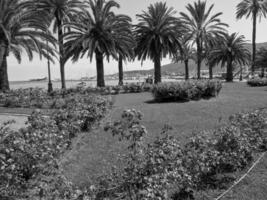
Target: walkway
point(20, 119)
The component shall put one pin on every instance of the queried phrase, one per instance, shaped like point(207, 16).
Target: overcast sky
point(37, 69)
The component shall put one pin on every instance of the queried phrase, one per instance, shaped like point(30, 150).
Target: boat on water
point(39, 79)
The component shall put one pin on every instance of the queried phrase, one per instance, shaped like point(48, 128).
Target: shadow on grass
point(154, 101)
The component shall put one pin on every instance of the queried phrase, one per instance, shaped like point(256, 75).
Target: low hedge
point(39, 98)
point(186, 90)
point(257, 82)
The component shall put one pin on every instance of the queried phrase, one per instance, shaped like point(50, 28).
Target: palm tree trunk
point(50, 86)
point(157, 70)
point(120, 70)
point(199, 59)
point(100, 69)
point(4, 83)
point(241, 73)
point(262, 72)
point(186, 70)
point(229, 73)
point(210, 71)
point(254, 42)
point(61, 52)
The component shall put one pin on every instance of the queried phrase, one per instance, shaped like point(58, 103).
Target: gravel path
point(20, 120)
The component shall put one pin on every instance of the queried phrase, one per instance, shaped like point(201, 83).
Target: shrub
point(81, 113)
point(149, 170)
point(28, 152)
point(186, 90)
point(257, 82)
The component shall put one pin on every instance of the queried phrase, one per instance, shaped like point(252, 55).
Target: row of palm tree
point(91, 28)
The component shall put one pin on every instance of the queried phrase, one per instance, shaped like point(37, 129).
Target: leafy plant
point(187, 90)
point(257, 82)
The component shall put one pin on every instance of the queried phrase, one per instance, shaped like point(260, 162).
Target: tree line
point(91, 28)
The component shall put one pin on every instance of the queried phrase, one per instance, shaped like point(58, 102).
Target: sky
point(38, 69)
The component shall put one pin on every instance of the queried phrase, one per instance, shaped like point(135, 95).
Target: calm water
point(69, 83)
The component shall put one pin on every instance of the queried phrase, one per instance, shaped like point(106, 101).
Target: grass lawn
point(94, 152)
point(253, 187)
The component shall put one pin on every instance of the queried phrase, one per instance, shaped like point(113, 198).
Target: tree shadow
point(178, 101)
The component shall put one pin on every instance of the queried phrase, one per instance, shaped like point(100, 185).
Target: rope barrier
point(244, 176)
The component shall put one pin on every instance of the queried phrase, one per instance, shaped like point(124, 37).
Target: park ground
point(94, 152)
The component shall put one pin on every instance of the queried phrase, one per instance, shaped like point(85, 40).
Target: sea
point(69, 83)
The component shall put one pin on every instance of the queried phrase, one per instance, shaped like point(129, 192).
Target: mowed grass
point(253, 187)
point(93, 153)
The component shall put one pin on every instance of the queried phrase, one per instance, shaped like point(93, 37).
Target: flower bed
point(29, 157)
point(257, 82)
point(165, 169)
point(186, 90)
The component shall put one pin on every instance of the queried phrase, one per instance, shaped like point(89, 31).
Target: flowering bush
point(186, 90)
point(257, 82)
point(28, 152)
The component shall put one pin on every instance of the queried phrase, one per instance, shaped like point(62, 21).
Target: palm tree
point(229, 52)
point(100, 32)
point(125, 47)
point(210, 44)
point(185, 54)
point(20, 29)
point(60, 12)
point(256, 9)
point(261, 60)
point(157, 35)
point(202, 25)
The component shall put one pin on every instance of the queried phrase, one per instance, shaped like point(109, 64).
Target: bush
point(257, 82)
point(186, 90)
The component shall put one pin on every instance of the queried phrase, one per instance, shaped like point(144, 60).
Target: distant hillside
point(178, 68)
point(259, 45)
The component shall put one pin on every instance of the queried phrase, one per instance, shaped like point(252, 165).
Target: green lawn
point(94, 152)
point(253, 187)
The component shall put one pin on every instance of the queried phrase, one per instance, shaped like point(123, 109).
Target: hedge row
point(186, 90)
point(39, 98)
point(29, 157)
point(257, 82)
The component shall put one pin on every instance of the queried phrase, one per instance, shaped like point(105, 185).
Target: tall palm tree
point(99, 32)
point(202, 25)
point(157, 35)
point(229, 52)
point(255, 9)
point(185, 54)
point(20, 29)
point(60, 12)
point(125, 48)
point(261, 60)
